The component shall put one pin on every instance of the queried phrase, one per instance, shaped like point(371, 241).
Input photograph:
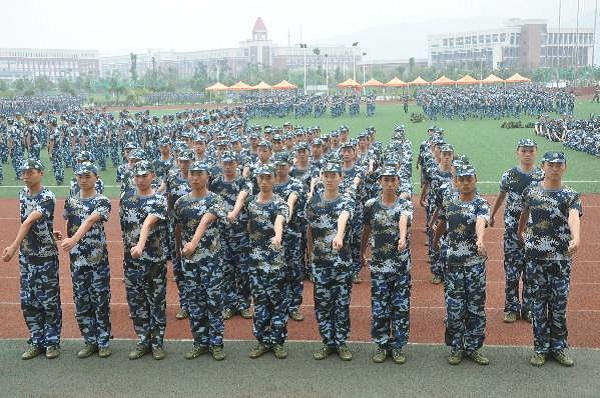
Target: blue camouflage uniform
point(90, 270)
point(38, 265)
point(267, 271)
point(513, 183)
point(203, 269)
point(548, 262)
point(332, 270)
point(390, 273)
point(145, 277)
point(466, 274)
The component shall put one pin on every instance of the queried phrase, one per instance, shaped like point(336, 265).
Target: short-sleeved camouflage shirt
point(39, 241)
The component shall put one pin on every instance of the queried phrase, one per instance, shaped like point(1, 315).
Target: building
point(521, 43)
point(32, 63)
point(258, 50)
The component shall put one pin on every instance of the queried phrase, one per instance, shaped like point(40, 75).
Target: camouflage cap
point(86, 168)
point(446, 148)
point(138, 154)
point(302, 146)
point(164, 141)
point(388, 172)
point(333, 167)
point(526, 142)
point(130, 145)
point(281, 158)
point(554, 157)
point(265, 143)
point(266, 170)
point(348, 144)
point(460, 160)
point(229, 156)
point(343, 128)
point(465, 170)
point(84, 156)
point(143, 167)
point(32, 163)
point(277, 137)
point(399, 128)
point(199, 166)
point(317, 141)
point(186, 154)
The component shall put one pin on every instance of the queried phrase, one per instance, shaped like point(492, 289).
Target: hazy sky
point(113, 26)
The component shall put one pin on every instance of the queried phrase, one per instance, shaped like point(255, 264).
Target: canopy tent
point(373, 83)
point(262, 86)
point(240, 86)
point(467, 79)
point(284, 85)
point(492, 79)
point(443, 81)
point(395, 82)
point(517, 78)
point(217, 87)
point(350, 83)
point(419, 81)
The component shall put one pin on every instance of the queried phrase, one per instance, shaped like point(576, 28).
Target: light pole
point(354, 60)
point(364, 72)
point(327, 72)
point(303, 47)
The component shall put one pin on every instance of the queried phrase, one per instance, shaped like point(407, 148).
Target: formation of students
point(244, 221)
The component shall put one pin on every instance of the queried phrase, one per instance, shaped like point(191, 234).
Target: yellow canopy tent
point(492, 79)
point(350, 83)
point(443, 81)
point(373, 83)
point(217, 87)
point(284, 85)
point(240, 86)
point(467, 79)
point(419, 81)
point(517, 78)
point(395, 82)
point(262, 86)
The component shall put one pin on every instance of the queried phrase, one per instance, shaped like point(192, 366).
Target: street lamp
point(304, 46)
point(364, 72)
point(327, 72)
point(354, 60)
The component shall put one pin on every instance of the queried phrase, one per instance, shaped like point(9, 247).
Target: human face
point(466, 184)
point(200, 147)
point(277, 145)
point(184, 165)
point(527, 155)
point(389, 184)
point(230, 169)
point(165, 150)
point(446, 158)
point(87, 181)
point(143, 182)
point(302, 156)
point(264, 153)
point(554, 171)
point(317, 150)
point(282, 170)
point(348, 154)
point(197, 179)
point(32, 177)
point(331, 180)
point(265, 183)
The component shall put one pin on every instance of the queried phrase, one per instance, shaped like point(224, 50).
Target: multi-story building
point(32, 63)
point(528, 43)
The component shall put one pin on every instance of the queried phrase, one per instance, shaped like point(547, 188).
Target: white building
point(31, 63)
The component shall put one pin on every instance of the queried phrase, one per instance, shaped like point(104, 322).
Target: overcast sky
point(121, 26)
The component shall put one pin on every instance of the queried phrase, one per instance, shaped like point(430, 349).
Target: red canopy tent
point(395, 82)
point(350, 83)
point(284, 85)
point(419, 81)
point(467, 79)
point(517, 78)
point(443, 81)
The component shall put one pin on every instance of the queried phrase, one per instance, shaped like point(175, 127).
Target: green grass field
point(489, 147)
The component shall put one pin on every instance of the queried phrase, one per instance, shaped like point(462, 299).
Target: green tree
point(66, 86)
point(133, 67)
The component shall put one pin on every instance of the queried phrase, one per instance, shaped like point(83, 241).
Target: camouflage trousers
point(203, 294)
point(465, 306)
point(294, 259)
point(514, 271)
point(146, 287)
point(58, 168)
point(390, 308)
point(356, 228)
point(332, 291)
point(40, 299)
point(91, 294)
point(550, 281)
point(236, 275)
point(177, 265)
point(438, 259)
point(270, 306)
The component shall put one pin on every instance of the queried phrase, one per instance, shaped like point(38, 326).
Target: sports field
point(425, 374)
point(489, 147)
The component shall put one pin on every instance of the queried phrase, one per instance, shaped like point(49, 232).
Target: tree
point(43, 84)
point(133, 68)
point(411, 65)
point(66, 86)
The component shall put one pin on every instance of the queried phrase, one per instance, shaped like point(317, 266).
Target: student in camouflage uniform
point(267, 215)
point(234, 190)
point(329, 214)
point(143, 215)
point(292, 191)
point(464, 219)
point(124, 174)
point(197, 235)
point(38, 263)
point(84, 157)
point(386, 218)
point(512, 184)
point(85, 213)
point(551, 213)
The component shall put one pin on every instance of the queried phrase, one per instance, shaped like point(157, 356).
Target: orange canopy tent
point(467, 79)
point(284, 85)
point(240, 86)
point(492, 79)
point(217, 87)
point(373, 83)
point(395, 82)
point(350, 83)
point(517, 78)
point(262, 86)
point(443, 81)
point(419, 81)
